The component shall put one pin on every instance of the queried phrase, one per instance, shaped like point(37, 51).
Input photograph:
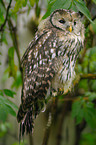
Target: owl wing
point(38, 69)
point(32, 45)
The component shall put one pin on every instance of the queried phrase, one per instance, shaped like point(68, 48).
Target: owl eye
point(62, 21)
point(74, 23)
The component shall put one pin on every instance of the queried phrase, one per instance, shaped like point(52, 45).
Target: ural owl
point(48, 63)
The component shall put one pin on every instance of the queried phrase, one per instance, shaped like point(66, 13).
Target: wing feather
point(38, 71)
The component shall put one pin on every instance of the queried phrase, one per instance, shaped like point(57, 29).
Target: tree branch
point(30, 139)
point(64, 112)
point(6, 18)
point(47, 130)
point(13, 34)
point(50, 120)
point(90, 22)
point(14, 38)
point(72, 99)
point(88, 76)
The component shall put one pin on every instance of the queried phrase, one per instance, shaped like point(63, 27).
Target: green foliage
point(94, 1)
point(80, 5)
point(6, 106)
point(77, 111)
point(21, 143)
point(70, 4)
point(83, 84)
point(94, 26)
point(19, 4)
point(4, 39)
point(85, 109)
point(88, 139)
point(4, 128)
point(18, 81)
point(89, 61)
point(32, 2)
point(9, 93)
point(12, 67)
point(2, 11)
point(1, 17)
point(23, 3)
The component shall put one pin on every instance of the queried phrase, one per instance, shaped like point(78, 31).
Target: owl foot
point(66, 91)
point(61, 91)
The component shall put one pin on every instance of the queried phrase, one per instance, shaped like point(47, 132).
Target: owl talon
point(61, 91)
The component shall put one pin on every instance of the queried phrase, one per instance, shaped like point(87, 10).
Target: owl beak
point(70, 28)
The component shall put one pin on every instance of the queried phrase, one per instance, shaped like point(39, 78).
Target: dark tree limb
point(14, 38)
point(88, 76)
point(65, 110)
point(50, 120)
point(30, 139)
point(72, 99)
point(79, 129)
point(47, 130)
point(90, 22)
point(7, 13)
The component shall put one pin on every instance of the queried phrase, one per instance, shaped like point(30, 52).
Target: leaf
point(9, 93)
point(94, 1)
point(12, 66)
point(90, 114)
point(4, 39)
point(63, 4)
point(88, 138)
point(32, 2)
point(5, 101)
point(8, 102)
point(82, 8)
point(19, 4)
point(50, 3)
point(11, 52)
point(93, 85)
point(24, 3)
point(6, 107)
point(76, 106)
point(56, 4)
point(18, 81)
point(3, 113)
point(83, 84)
point(77, 111)
point(1, 17)
point(10, 110)
point(91, 95)
point(84, 110)
point(94, 26)
point(1, 93)
point(4, 127)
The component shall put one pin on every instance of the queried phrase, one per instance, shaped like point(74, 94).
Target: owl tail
point(26, 116)
point(26, 121)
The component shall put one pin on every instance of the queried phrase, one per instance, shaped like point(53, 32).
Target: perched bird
point(48, 63)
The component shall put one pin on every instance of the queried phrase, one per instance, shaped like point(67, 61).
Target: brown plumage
point(48, 63)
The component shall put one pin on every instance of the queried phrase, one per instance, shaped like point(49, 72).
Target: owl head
point(67, 21)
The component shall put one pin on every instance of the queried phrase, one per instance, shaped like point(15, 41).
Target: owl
point(48, 63)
